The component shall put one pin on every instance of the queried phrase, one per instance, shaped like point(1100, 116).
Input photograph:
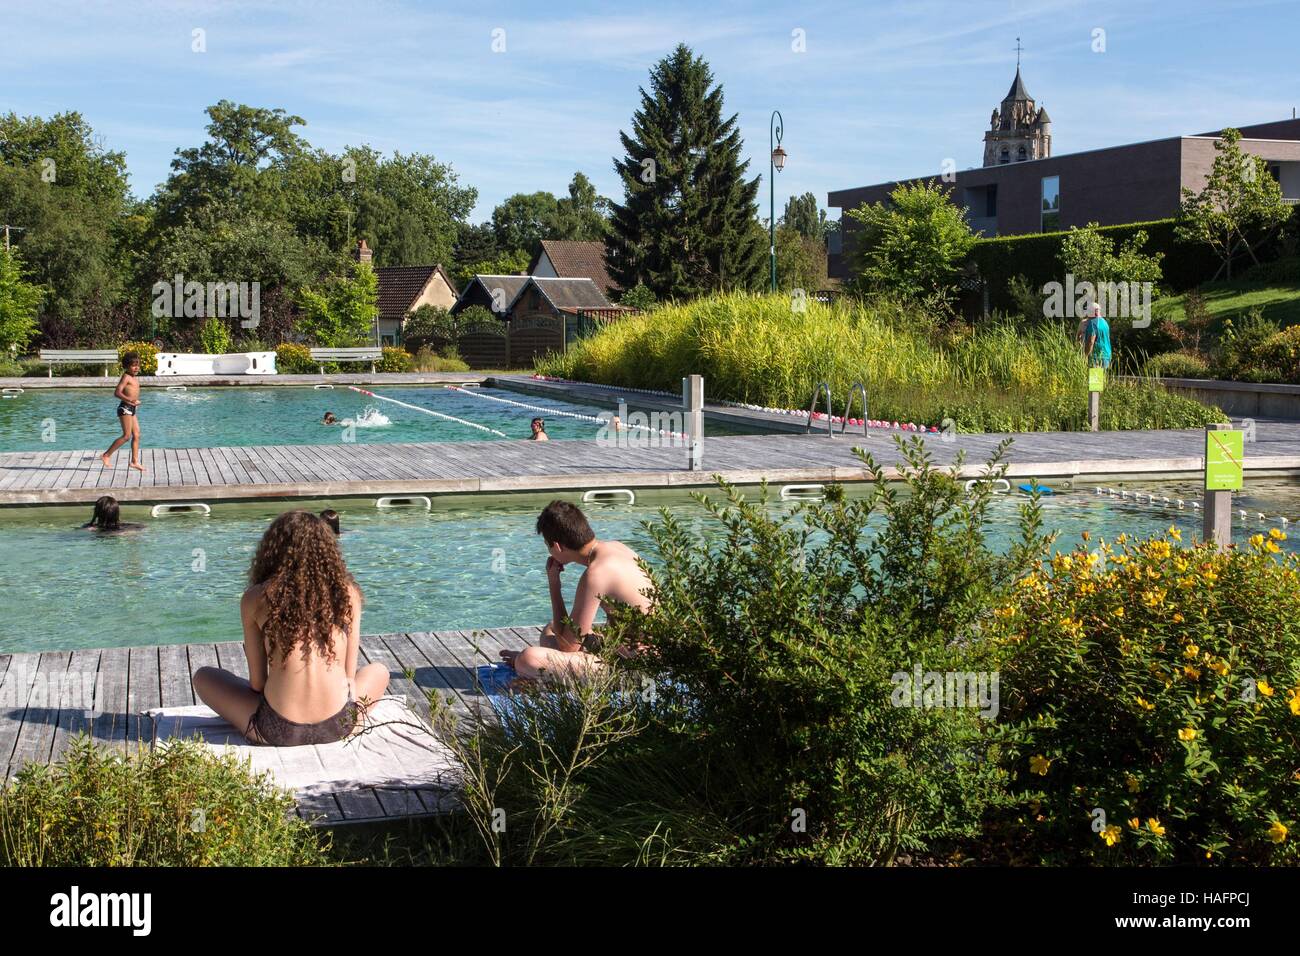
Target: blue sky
point(883, 90)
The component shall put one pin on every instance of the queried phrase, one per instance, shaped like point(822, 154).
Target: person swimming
point(302, 627)
point(329, 419)
point(107, 517)
point(538, 426)
point(331, 518)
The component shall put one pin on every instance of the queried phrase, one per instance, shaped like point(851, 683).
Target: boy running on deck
point(127, 394)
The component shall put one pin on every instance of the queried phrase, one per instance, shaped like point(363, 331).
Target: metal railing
point(857, 388)
point(823, 388)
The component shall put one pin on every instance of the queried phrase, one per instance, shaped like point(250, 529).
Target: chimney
point(362, 252)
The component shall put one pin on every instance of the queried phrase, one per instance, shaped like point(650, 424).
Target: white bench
point(53, 357)
point(369, 353)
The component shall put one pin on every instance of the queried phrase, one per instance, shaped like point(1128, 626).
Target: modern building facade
point(1013, 195)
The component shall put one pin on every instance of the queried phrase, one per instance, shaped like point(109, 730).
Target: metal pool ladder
point(823, 388)
point(857, 388)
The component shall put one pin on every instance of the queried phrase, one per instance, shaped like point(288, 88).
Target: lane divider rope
point(428, 411)
point(557, 411)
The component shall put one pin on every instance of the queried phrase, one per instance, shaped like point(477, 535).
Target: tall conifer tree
point(688, 222)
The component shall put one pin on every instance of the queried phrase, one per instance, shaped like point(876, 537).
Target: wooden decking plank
point(78, 704)
point(111, 701)
point(230, 655)
point(437, 670)
point(16, 688)
point(41, 718)
point(377, 650)
point(322, 808)
point(360, 804)
point(143, 691)
point(176, 688)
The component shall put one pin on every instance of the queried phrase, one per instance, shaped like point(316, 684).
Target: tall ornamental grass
point(756, 349)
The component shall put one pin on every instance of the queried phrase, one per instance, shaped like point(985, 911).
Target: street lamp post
point(775, 128)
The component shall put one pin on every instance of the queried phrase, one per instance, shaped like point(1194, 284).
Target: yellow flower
point(1276, 535)
point(1145, 705)
point(1153, 824)
point(1111, 834)
point(1277, 832)
point(1191, 650)
point(1038, 764)
point(1174, 533)
point(1271, 547)
point(1118, 612)
point(1187, 733)
point(1135, 823)
point(1221, 668)
point(1191, 673)
point(1264, 688)
point(1178, 618)
point(1294, 704)
point(1257, 541)
point(1132, 783)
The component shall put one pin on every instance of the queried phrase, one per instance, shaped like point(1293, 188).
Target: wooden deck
point(127, 681)
point(342, 469)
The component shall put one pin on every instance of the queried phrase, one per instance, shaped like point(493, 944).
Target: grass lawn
point(1279, 302)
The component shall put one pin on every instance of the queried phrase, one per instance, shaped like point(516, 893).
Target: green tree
point(800, 260)
point(914, 244)
point(1239, 201)
point(523, 220)
point(583, 215)
point(1090, 256)
point(688, 221)
point(342, 312)
point(19, 302)
point(474, 244)
point(508, 263)
point(638, 297)
point(803, 215)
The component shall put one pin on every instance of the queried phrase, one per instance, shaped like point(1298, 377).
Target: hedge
point(1035, 257)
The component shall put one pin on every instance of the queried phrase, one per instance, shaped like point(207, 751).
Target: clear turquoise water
point(277, 415)
point(466, 564)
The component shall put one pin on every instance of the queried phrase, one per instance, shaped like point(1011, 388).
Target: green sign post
point(1096, 379)
point(1096, 385)
point(1224, 460)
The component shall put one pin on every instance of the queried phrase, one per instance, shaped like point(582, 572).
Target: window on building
point(991, 201)
point(1051, 206)
point(1005, 156)
point(1022, 155)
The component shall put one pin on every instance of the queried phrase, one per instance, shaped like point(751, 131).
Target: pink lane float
point(817, 416)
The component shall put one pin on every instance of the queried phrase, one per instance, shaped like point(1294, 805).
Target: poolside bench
point(53, 357)
point(369, 353)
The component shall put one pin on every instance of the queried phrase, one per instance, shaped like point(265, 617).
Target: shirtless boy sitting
point(611, 573)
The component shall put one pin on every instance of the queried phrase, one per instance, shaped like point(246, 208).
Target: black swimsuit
point(268, 727)
point(125, 409)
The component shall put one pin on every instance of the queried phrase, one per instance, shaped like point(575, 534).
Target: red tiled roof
point(400, 286)
point(580, 260)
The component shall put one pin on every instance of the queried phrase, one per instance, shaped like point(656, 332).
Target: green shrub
point(426, 360)
point(175, 806)
point(11, 367)
point(755, 349)
point(429, 326)
point(148, 353)
point(762, 723)
point(1240, 353)
point(214, 336)
point(1281, 351)
point(291, 358)
point(1158, 689)
point(394, 360)
point(1283, 271)
point(1177, 365)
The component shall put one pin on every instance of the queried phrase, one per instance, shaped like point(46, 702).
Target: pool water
point(468, 563)
point(81, 418)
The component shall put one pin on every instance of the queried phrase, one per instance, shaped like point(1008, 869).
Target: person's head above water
point(331, 518)
point(306, 585)
point(538, 425)
point(107, 516)
point(564, 528)
point(329, 419)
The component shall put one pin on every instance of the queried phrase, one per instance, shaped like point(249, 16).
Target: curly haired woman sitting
point(302, 627)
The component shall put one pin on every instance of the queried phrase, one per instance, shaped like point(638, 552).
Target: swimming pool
point(81, 418)
point(468, 563)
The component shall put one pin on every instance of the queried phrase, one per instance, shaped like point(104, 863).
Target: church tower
point(1018, 131)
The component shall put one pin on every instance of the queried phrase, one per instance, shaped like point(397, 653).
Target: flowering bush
point(1157, 689)
point(1282, 352)
point(294, 359)
point(148, 353)
point(395, 360)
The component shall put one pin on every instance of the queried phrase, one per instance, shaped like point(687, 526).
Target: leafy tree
point(511, 262)
point(803, 215)
point(523, 220)
point(1090, 256)
point(429, 325)
point(1239, 201)
point(19, 302)
point(687, 224)
point(342, 312)
point(914, 244)
point(638, 297)
point(474, 244)
point(475, 315)
point(800, 260)
point(583, 215)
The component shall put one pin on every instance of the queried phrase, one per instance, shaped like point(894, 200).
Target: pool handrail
point(855, 388)
point(823, 388)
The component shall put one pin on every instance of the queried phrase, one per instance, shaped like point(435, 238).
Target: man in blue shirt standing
point(1096, 339)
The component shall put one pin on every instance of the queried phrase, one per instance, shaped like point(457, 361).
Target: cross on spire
point(1018, 49)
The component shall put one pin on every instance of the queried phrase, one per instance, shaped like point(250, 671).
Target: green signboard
point(1224, 460)
point(1097, 379)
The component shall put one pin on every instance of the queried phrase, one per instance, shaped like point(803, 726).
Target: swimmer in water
point(329, 419)
point(539, 431)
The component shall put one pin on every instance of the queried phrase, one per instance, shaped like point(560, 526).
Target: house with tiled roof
point(402, 289)
point(569, 259)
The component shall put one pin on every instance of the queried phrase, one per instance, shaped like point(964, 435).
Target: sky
point(517, 96)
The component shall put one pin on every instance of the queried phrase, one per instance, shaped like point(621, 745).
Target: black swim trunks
point(268, 727)
point(125, 409)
